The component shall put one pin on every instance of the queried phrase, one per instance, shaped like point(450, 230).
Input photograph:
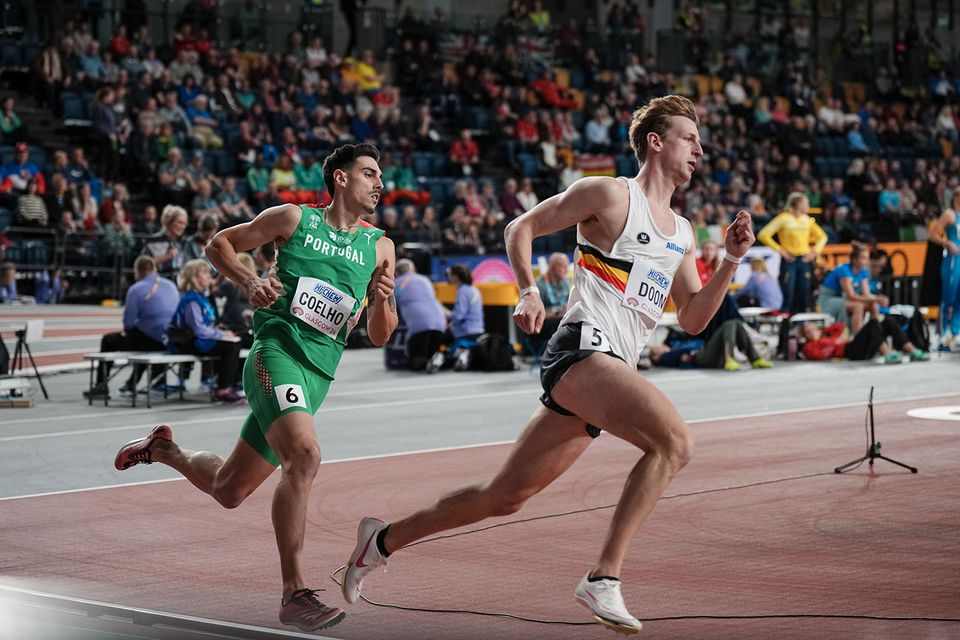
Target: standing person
point(946, 233)
point(796, 231)
point(147, 310)
point(634, 252)
point(327, 264)
point(421, 312)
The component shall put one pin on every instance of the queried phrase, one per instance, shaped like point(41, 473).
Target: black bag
point(916, 328)
point(180, 337)
point(493, 353)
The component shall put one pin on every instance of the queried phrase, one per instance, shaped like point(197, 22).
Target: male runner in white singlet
point(634, 252)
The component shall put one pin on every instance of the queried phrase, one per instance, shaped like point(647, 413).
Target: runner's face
point(364, 184)
point(681, 149)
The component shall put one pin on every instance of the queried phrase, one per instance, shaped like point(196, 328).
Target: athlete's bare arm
point(382, 313)
point(276, 224)
point(599, 204)
point(696, 305)
point(939, 230)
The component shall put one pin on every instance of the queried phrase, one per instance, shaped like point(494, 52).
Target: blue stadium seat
point(72, 104)
point(226, 163)
point(10, 55)
point(6, 155)
point(576, 78)
point(6, 219)
point(422, 167)
point(210, 162)
point(438, 164)
point(626, 165)
point(528, 164)
point(437, 189)
point(822, 166)
point(481, 117)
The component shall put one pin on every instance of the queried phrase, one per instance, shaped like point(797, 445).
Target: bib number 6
point(592, 338)
point(289, 395)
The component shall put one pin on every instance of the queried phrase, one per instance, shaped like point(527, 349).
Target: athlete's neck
point(657, 187)
point(339, 218)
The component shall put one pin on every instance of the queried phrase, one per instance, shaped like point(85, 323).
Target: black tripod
point(18, 359)
point(873, 450)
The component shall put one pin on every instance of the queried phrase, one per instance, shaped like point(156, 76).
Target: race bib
point(647, 289)
point(321, 305)
point(593, 339)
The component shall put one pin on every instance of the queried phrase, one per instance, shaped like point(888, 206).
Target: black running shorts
point(562, 352)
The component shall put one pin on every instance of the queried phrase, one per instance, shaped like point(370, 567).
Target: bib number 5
point(592, 338)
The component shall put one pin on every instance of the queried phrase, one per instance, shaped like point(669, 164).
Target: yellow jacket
point(796, 234)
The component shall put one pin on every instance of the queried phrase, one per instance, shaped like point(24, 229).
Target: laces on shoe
point(308, 597)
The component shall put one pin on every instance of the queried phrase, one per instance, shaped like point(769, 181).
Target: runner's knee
point(302, 460)
point(229, 497)
point(680, 446)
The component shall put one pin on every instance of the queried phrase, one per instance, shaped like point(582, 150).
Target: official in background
point(147, 309)
point(421, 312)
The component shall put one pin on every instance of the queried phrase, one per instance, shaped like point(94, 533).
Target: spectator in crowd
point(193, 329)
point(204, 125)
point(86, 209)
point(31, 209)
point(234, 208)
point(20, 171)
point(11, 127)
point(465, 154)
point(204, 204)
point(174, 179)
point(106, 131)
point(309, 178)
point(421, 313)
point(889, 200)
point(147, 310)
point(526, 197)
point(8, 283)
point(78, 170)
point(147, 223)
point(554, 287)
point(193, 246)
point(845, 292)
point(717, 353)
point(830, 342)
point(166, 246)
point(796, 232)
point(58, 199)
point(708, 262)
point(509, 203)
point(400, 184)
point(465, 322)
point(117, 238)
point(761, 290)
point(237, 314)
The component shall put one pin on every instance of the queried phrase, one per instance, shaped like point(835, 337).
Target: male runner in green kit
point(328, 261)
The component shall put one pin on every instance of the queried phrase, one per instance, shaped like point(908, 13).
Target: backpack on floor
point(493, 353)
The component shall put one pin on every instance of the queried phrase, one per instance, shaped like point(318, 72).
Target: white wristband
point(532, 289)
point(733, 259)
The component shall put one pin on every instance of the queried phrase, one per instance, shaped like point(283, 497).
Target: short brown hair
point(144, 265)
point(653, 117)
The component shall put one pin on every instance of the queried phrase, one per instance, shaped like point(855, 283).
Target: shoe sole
point(610, 624)
point(146, 443)
point(337, 619)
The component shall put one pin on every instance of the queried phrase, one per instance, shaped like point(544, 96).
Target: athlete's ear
point(654, 142)
point(340, 177)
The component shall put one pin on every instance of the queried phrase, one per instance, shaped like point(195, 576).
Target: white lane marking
point(936, 413)
point(380, 456)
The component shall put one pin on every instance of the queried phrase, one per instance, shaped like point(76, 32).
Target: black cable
point(511, 616)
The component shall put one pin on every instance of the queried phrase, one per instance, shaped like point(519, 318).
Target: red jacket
point(827, 345)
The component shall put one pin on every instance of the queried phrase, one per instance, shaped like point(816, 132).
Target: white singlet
point(619, 296)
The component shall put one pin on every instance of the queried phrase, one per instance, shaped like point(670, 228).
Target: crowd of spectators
point(473, 135)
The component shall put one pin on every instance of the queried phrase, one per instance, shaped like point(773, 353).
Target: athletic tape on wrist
point(532, 289)
point(733, 259)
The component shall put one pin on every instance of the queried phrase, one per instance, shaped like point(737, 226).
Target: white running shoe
point(603, 598)
point(365, 558)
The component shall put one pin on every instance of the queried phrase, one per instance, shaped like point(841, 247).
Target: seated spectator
point(597, 132)
point(11, 127)
point(830, 342)
point(400, 184)
point(174, 178)
point(78, 170)
point(526, 197)
point(234, 208)
point(465, 320)
point(708, 262)
point(265, 257)
point(551, 93)
point(554, 287)
point(49, 286)
point(8, 283)
point(285, 179)
point(117, 239)
point(309, 176)
point(761, 290)
point(165, 246)
point(465, 154)
point(717, 353)
point(491, 234)
point(194, 246)
point(258, 179)
point(509, 203)
point(845, 292)
point(31, 209)
point(889, 200)
point(147, 310)
point(204, 204)
point(193, 329)
point(237, 313)
point(147, 223)
point(22, 170)
point(58, 199)
point(118, 201)
point(86, 209)
point(855, 142)
point(420, 312)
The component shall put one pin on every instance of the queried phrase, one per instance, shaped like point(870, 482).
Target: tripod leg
point(851, 464)
point(899, 464)
point(46, 396)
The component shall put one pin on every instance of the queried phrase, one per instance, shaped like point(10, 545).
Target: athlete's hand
point(529, 314)
point(739, 235)
point(952, 248)
point(381, 284)
point(263, 292)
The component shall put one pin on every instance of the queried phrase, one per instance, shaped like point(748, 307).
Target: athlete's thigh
point(291, 435)
point(244, 470)
point(549, 444)
point(609, 394)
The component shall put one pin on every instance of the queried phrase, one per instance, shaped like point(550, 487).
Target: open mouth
point(693, 165)
point(375, 197)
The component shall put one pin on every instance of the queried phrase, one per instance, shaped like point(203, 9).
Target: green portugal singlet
point(299, 340)
point(325, 274)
